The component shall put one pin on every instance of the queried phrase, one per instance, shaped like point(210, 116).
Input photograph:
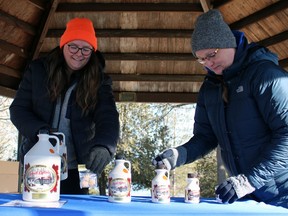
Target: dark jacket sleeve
point(106, 117)
point(203, 140)
point(22, 112)
point(270, 93)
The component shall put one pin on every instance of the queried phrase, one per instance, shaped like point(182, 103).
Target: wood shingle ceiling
point(146, 43)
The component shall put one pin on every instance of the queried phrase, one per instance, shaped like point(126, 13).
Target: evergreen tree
point(143, 135)
point(146, 130)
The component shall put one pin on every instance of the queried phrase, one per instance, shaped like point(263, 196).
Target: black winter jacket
point(32, 110)
point(252, 129)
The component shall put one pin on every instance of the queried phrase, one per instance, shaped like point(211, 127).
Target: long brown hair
point(88, 83)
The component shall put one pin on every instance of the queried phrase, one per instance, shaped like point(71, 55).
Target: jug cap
point(192, 175)
point(44, 131)
point(120, 157)
point(160, 166)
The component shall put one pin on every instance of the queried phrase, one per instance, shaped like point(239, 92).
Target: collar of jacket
point(246, 54)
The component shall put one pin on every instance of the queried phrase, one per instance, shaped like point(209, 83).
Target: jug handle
point(57, 142)
point(129, 165)
point(167, 174)
point(60, 133)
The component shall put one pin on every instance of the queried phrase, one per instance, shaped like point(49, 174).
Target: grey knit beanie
point(211, 32)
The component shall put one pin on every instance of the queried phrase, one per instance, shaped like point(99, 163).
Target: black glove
point(168, 158)
point(98, 158)
point(234, 188)
point(171, 158)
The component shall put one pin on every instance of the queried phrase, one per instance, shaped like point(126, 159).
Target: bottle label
point(192, 195)
point(161, 192)
point(64, 166)
point(40, 178)
point(119, 188)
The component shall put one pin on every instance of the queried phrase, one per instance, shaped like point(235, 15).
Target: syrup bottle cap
point(120, 157)
point(160, 165)
point(192, 175)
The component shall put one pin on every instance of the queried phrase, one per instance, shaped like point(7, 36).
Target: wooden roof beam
point(274, 39)
point(120, 7)
point(261, 14)
point(39, 4)
point(9, 71)
point(43, 27)
point(157, 78)
point(156, 33)
point(145, 56)
point(11, 20)
point(283, 63)
point(14, 49)
point(149, 56)
point(7, 92)
point(156, 97)
point(206, 5)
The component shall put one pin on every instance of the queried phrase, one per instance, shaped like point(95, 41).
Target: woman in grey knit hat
point(242, 107)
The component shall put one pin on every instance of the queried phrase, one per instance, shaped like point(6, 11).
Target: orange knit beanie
point(79, 29)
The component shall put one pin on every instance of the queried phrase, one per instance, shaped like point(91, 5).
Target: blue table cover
point(86, 205)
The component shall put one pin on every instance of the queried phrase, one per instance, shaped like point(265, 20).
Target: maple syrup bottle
point(192, 189)
point(119, 181)
point(161, 185)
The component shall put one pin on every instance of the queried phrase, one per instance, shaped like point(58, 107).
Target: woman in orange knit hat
point(68, 91)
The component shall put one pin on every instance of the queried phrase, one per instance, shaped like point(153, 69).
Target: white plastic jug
point(63, 155)
point(119, 182)
point(42, 171)
point(161, 187)
point(192, 190)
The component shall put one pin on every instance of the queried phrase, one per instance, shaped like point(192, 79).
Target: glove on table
point(171, 158)
point(234, 188)
point(98, 158)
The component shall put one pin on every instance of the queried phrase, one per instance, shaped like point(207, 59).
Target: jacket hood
point(246, 54)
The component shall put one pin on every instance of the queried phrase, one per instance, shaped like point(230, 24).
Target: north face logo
point(240, 89)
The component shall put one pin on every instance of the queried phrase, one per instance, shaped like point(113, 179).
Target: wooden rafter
point(13, 48)
point(12, 51)
point(39, 4)
point(17, 23)
point(102, 7)
point(9, 71)
point(157, 78)
point(206, 5)
point(149, 56)
point(274, 39)
point(7, 92)
point(43, 27)
point(156, 97)
point(156, 33)
point(261, 14)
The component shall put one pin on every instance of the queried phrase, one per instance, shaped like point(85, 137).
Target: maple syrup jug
point(119, 181)
point(161, 186)
point(42, 168)
point(192, 190)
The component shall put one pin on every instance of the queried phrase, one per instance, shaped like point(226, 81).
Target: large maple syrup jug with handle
point(42, 169)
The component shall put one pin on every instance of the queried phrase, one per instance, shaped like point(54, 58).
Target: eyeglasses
point(208, 57)
point(86, 51)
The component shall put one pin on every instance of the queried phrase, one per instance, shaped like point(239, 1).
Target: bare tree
point(8, 133)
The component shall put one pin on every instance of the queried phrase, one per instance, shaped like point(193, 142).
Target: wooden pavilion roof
point(146, 43)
